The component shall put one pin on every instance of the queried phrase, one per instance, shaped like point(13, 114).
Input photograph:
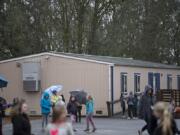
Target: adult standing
point(20, 120)
point(89, 114)
point(130, 105)
point(146, 113)
point(123, 104)
point(45, 109)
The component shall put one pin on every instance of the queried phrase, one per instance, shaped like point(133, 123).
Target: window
point(137, 82)
point(169, 81)
point(123, 82)
point(178, 82)
point(154, 80)
point(157, 81)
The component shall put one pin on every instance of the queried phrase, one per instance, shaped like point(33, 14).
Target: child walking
point(45, 109)
point(59, 125)
point(89, 114)
point(167, 125)
point(72, 109)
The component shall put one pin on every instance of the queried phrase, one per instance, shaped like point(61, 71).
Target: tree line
point(141, 29)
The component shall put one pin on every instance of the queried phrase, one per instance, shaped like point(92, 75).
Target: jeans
point(135, 111)
point(130, 111)
point(89, 119)
point(78, 117)
point(45, 120)
point(123, 110)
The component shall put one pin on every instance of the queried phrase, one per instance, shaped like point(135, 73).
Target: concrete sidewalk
point(105, 126)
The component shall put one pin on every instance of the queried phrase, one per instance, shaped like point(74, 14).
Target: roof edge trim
point(53, 54)
point(81, 59)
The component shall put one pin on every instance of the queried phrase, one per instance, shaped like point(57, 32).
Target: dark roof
point(121, 61)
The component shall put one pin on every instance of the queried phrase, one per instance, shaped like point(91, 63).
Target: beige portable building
point(103, 77)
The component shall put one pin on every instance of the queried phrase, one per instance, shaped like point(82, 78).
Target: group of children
point(132, 101)
point(74, 107)
point(58, 125)
point(157, 116)
point(59, 112)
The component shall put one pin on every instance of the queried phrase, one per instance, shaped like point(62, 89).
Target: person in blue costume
point(45, 109)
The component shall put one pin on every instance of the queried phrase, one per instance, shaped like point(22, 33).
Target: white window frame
point(137, 86)
point(169, 81)
point(125, 81)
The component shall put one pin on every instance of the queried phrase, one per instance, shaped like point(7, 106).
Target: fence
point(167, 94)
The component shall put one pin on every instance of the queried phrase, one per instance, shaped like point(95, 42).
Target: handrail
point(109, 106)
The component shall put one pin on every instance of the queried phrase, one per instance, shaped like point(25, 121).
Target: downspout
point(111, 87)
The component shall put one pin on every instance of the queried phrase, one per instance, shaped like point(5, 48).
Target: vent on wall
point(33, 112)
point(99, 112)
point(31, 76)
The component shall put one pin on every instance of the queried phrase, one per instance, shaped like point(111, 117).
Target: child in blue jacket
point(45, 108)
point(89, 113)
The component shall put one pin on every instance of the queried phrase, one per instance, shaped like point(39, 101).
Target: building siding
point(144, 79)
point(72, 74)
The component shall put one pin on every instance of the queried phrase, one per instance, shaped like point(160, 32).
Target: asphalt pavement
point(105, 126)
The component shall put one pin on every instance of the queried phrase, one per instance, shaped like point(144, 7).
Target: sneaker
point(128, 118)
point(94, 130)
point(74, 130)
point(86, 130)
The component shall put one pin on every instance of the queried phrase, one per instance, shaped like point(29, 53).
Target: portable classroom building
point(103, 77)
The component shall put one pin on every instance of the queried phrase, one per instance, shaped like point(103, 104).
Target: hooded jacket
point(46, 104)
point(21, 125)
point(146, 102)
point(89, 106)
point(72, 107)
